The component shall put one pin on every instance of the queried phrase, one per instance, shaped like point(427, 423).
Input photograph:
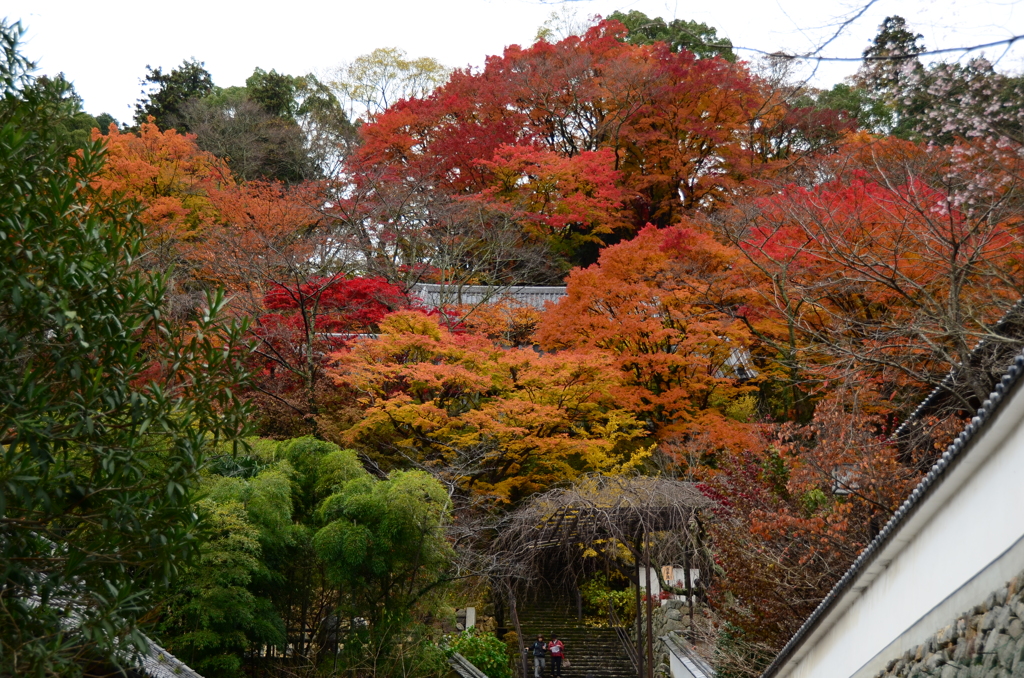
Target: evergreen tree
point(106, 410)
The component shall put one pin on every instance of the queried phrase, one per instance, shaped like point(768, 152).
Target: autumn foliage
point(170, 178)
point(500, 423)
point(667, 308)
point(583, 141)
point(757, 293)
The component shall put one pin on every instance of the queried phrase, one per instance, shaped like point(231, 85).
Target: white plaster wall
point(974, 516)
point(678, 575)
point(676, 667)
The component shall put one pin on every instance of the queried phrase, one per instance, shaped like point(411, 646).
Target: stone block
point(995, 641)
point(1003, 616)
point(673, 627)
point(960, 652)
point(1006, 654)
point(1018, 654)
point(674, 614)
point(949, 671)
point(1015, 628)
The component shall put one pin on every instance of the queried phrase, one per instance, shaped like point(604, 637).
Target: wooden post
point(650, 611)
point(639, 628)
point(519, 632)
point(689, 590)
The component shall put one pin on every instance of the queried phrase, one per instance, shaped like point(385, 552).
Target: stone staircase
point(593, 652)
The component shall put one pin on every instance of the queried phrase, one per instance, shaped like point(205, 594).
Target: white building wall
point(677, 578)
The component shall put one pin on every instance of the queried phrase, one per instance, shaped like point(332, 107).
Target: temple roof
point(455, 295)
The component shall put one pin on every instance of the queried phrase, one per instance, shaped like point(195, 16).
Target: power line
point(897, 57)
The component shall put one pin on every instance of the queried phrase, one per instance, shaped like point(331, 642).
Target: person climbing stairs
point(591, 651)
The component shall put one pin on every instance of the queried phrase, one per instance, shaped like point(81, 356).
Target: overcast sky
point(104, 47)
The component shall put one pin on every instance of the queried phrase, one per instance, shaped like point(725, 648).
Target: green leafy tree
point(678, 34)
point(279, 127)
point(77, 125)
point(166, 94)
point(273, 91)
point(106, 410)
point(870, 112)
point(887, 96)
point(256, 583)
point(211, 616)
point(384, 545)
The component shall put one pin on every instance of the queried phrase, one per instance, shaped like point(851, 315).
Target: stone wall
point(670, 618)
point(984, 642)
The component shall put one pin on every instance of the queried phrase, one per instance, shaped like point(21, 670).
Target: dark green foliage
point(277, 127)
point(274, 92)
point(104, 121)
point(891, 59)
point(870, 112)
point(885, 96)
point(678, 34)
point(168, 93)
point(75, 125)
point(106, 409)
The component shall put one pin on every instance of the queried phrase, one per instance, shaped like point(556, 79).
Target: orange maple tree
point(666, 308)
point(170, 178)
point(495, 422)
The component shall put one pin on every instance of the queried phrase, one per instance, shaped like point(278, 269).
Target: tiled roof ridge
point(480, 288)
point(952, 453)
point(159, 663)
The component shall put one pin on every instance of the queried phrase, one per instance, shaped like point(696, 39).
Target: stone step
point(592, 651)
